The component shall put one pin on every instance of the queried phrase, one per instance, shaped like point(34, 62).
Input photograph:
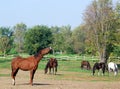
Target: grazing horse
point(52, 63)
point(113, 67)
point(27, 64)
point(99, 66)
point(86, 65)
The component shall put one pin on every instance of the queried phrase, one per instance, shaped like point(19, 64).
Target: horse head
point(45, 50)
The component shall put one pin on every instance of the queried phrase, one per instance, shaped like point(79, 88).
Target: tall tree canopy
point(78, 38)
point(19, 33)
point(5, 39)
point(101, 21)
point(36, 38)
point(62, 38)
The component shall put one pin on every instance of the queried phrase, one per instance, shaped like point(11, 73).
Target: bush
point(13, 51)
point(116, 51)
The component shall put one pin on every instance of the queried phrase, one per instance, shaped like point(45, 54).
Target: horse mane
point(36, 54)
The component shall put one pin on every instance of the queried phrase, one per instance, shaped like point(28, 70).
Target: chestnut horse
point(99, 66)
point(86, 65)
point(52, 63)
point(27, 64)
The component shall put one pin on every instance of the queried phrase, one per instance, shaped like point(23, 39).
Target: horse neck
point(39, 57)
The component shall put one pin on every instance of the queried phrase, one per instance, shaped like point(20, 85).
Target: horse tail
point(116, 67)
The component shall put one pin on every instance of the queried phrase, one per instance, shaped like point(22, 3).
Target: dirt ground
point(41, 81)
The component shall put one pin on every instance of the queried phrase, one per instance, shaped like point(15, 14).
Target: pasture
point(69, 76)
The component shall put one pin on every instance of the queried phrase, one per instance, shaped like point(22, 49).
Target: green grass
point(5, 63)
point(4, 75)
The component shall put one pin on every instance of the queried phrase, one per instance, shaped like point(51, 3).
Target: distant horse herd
point(31, 64)
point(111, 67)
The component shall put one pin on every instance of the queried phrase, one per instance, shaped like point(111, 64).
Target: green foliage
point(101, 22)
point(78, 37)
point(13, 51)
point(5, 39)
point(62, 38)
point(36, 38)
point(116, 51)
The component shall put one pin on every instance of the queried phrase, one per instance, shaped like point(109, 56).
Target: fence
point(91, 58)
point(69, 57)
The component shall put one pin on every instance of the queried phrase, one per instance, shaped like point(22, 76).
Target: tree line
point(98, 35)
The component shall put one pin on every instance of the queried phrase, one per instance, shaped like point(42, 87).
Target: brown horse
point(85, 65)
point(27, 64)
point(52, 63)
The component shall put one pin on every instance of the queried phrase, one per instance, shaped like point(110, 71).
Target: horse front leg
point(55, 70)
point(103, 70)
point(98, 72)
point(49, 70)
point(93, 72)
point(32, 72)
point(13, 75)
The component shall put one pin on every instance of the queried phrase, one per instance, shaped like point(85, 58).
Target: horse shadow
point(36, 84)
point(39, 84)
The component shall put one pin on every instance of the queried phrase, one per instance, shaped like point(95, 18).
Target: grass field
point(67, 70)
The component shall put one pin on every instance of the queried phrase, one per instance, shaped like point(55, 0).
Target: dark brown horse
point(85, 65)
point(51, 64)
point(27, 64)
point(98, 66)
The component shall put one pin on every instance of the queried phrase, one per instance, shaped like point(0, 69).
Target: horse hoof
point(31, 84)
point(13, 82)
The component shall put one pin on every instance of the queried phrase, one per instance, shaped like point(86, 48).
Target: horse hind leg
point(55, 70)
point(115, 72)
point(93, 71)
point(13, 74)
point(46, 70)
point(49, 70)
point(98, 72)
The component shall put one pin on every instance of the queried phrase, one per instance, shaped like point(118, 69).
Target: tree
point(36, 38)
point(66, 35)
point(5, 41)
point(78, 37)
point(116, 51)
point(19, 33)
point(57, 39)
point(100, 20)
point(62, 39)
